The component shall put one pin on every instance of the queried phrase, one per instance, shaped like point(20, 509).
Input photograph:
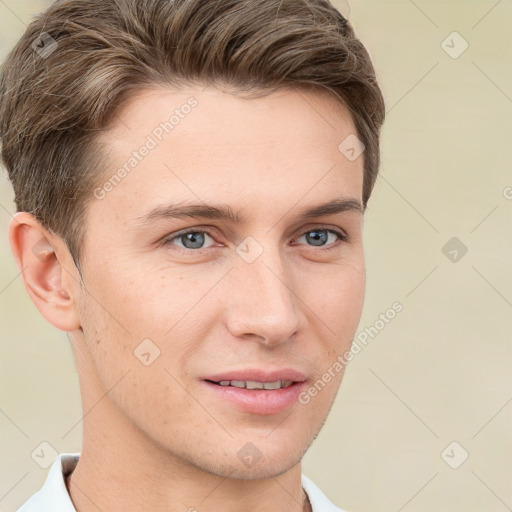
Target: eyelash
point(343, 237)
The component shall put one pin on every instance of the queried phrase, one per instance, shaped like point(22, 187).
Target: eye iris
point(318, 237)
point(197, 239)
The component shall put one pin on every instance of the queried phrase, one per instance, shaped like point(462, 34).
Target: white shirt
point(53, 495)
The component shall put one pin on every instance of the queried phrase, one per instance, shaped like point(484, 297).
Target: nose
point(263, 303)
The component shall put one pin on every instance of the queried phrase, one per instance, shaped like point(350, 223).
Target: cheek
point(339, 307)
point(130, 314)
point(130, 300)
point(350, 295)
point(108, 318)
point(156, 300)
point(336, 295)
point(141, 386)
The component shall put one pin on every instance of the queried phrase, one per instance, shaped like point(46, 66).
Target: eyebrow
point(224, 212)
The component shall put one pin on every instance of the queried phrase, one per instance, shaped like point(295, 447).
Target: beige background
point(441, 370)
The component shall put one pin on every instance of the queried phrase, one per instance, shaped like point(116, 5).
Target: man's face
point(269, 297)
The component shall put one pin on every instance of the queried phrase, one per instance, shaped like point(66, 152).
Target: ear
point(48, 271)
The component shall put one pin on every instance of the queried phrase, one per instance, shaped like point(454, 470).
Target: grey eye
point(190, 240)
point(319, 237)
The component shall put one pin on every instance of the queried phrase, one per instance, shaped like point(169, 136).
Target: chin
point(253, 461)
point(265, 468)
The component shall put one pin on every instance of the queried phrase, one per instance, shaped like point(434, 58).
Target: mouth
point(257, 391)
point(252, 384)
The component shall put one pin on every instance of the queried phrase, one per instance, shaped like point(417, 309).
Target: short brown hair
point(53, 106)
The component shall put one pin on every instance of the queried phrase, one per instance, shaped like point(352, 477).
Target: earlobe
point(44, 270)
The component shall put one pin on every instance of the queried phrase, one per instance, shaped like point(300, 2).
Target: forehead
point(213, 116)
point(214, 146)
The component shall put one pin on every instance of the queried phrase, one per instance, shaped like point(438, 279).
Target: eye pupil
point(319, 237)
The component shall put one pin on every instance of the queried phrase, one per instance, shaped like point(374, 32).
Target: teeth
point(251, 384)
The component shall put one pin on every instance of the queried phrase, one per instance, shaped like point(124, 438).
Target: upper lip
point(259, 375)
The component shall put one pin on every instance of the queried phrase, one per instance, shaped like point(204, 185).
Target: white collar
point(54, 496)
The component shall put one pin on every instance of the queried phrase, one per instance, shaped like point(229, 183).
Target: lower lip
point(259, 401)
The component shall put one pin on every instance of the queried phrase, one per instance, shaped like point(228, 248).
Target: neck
point(93, 487)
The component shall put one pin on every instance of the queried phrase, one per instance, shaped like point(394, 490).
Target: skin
point(153, 437)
